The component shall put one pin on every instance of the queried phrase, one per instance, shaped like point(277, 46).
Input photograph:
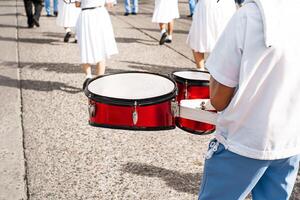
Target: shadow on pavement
point(136, 40)
point(11, 26)
point(31, 40)
point(154, 68)
point(11, 14)
point(157, 30)
point(38, 85)
point(66, 68)
point(140, 13)
point(182, 182)
point(54, 34)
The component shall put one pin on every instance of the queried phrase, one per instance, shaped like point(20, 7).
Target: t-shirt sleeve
point(224, 61)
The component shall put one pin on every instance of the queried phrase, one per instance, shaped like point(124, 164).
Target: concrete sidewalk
point(47, 118)
point(12, 164)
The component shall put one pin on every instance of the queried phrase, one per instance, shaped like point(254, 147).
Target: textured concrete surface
point(12, 170)
point(67, 158)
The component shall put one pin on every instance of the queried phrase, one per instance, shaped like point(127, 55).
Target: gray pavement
point(12, 165)
point(44, 116)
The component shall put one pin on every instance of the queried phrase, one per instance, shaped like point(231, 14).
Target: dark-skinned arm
point(220, 95)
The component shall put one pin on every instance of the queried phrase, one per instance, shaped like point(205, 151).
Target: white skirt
point(165, 11)
point(209, 20)
point(67, 14)
point(95, 35)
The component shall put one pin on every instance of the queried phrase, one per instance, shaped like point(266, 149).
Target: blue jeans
point(47, 6)
point(131, 6)
point(229, 176)
point(192, 4)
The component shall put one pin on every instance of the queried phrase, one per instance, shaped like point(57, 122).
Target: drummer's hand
point(109, 5)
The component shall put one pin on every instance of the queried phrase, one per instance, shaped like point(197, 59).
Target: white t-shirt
point(263, 119)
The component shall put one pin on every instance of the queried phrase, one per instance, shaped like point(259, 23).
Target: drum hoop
point(131, 102)
point(195, 132)
point(190, 81)
point(133, 128)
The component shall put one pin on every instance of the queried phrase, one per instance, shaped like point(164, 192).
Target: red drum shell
point(151, 117)
point(150, 113)
point(192, 89)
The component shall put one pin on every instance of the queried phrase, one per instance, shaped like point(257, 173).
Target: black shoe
point(55, 13)
point(30, 25)
point(190, 15)
point(134, 13)
point(67, 37)
point(168, 41)
point(163, 38)
point(36, 22)
point(48, 15)
point(126, 14)
point(75, 41)
point(86, 82)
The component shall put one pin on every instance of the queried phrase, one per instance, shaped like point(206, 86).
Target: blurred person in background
point(192, 4)
point(67, 18)
point(48, 8)
point(95, 36)
point(209, 20)
point(131, 7)
point(33, 18)
point(165, 12)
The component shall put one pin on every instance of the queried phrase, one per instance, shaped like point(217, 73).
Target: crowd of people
point(253, 61)
point(96, 39)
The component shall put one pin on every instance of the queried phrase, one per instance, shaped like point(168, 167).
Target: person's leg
point(127, 7)
point(163, 33)
point(55, 8)
point(192, 4)
point(100, 68)
point(170, 31)
point(38, 6)
point(47, 7)
point(135, 8)
point(199, 59)
point(28, 9)
point(87, 69)
point(278, 180)
point(68, 34)
point(229, 176)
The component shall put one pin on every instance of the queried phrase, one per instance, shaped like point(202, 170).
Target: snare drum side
point(150, 117)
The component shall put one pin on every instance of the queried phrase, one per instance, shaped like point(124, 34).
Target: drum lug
point(202, 105)
point(92, 109)
point(186, 90)
point(135, 114)
point(175, 108)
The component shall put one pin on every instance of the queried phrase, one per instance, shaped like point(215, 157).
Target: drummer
point(95, 37)
point(165, 12)
point(209, 20)
point(255, 87)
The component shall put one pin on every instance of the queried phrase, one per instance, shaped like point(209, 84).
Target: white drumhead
point(131, 86)
point(193, 75)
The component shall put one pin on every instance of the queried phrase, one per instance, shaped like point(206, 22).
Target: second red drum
point(192, 84)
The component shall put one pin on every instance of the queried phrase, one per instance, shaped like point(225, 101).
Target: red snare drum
point(131, 100)
point(192, 84)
